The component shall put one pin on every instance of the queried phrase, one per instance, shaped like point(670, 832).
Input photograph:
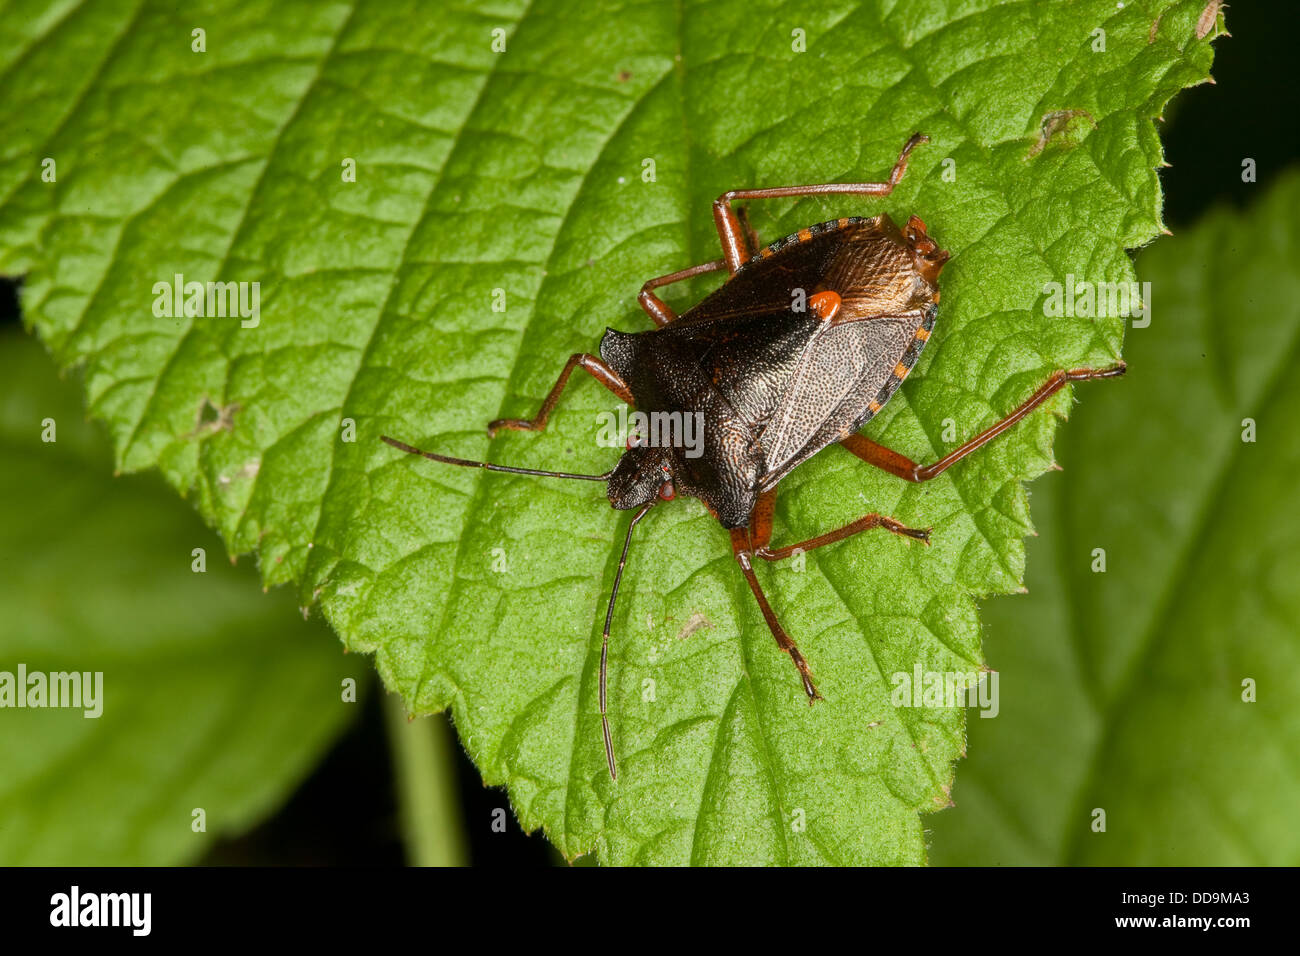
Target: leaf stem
point(425, 778)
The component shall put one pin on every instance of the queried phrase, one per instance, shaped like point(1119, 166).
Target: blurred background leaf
point(1125, 690)
point(215, 695)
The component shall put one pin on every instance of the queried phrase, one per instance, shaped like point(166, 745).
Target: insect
point(803, 343)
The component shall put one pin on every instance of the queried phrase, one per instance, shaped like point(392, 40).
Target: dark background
point(1251, 112)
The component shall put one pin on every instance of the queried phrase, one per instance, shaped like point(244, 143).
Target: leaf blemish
point(694, 623)
point(247, 470)
point(1053, 123)
point(213, 418)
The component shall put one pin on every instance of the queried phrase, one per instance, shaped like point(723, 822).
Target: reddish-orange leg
point(902, 466)
point(753, 541)
point(656, 308)
point(588, 363)
point(733, 234)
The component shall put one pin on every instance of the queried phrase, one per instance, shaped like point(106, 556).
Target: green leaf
point(522, 171)
point(211, 697)
point(1125, 690)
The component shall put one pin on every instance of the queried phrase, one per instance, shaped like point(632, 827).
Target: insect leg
point(744, 541)
point(865, 523)
point(760, 531)
point(783, 640)
point(654, 306)
point(588, 363)
point(902, 466)
point(732, 234)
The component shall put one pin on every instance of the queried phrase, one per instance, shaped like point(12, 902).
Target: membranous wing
point(844, 377)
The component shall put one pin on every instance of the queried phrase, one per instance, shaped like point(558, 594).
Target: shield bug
point(803, 343)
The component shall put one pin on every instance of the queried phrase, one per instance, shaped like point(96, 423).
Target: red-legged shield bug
point(774, 376)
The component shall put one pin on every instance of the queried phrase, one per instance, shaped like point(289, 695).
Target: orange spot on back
point(922, 334)
point(900, 370)
point(825, 304)
point(805, 235)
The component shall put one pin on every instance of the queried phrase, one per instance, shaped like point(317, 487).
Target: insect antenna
point(604, 642)
point(447, 460)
